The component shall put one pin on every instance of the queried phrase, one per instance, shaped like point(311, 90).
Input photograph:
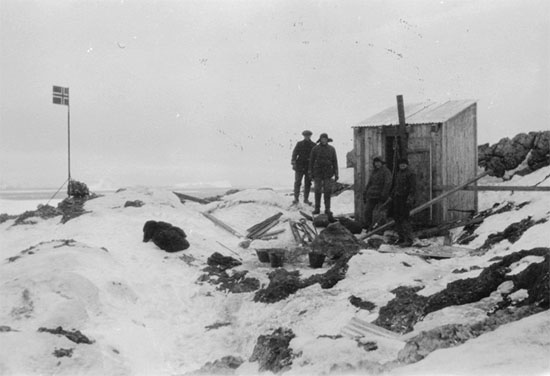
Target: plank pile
point(261, 230)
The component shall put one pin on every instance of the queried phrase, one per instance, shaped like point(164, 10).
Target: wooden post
point(401, 131)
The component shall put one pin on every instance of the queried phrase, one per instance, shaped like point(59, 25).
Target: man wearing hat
point(402, 201)
point(377, 190)
point(323, 165)
point(300, 165)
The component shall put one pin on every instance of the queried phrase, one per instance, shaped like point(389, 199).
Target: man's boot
point(317, 203)
point(306, 196)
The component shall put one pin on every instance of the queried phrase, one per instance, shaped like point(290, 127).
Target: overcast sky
point(172, 92)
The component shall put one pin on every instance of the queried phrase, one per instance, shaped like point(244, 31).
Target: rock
point(236, 283)
point(165, 236)
point(510, 154)
point(224, 366)
point(78, 189)
point(60, 353)
point(361, 304)
point(282, 284)
point(402, 312)
point(135, 203)
point(43, 211)
point(75, 336)
point(73, 207)
point(512, 233)
point(321, 220)
point(222, 262)
point(336, 241)
point(540, 154)
point(273, 352)
point(418, 347)
point(353, 226)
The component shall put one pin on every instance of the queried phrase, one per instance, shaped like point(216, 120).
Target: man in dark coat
point(377, 190)
point(402, 201)
point(323, 165)
point(300, 165)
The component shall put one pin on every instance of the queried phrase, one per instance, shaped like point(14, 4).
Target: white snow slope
point(148, 315)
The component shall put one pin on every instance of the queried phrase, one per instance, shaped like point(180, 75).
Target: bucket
point(276, 259)
point(316, 259)
point(263, 255)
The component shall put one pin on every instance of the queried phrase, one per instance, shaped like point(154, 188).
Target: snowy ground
point(147, 315)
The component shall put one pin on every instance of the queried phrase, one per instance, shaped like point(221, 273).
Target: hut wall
point(420, 155)
point(367, 144)
point(459, 162)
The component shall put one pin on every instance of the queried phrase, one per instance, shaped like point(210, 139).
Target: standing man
point(300, 165)
point(323, 165)
point(377, 190)
point(402, 201)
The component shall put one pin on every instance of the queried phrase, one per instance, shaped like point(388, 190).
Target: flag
point(61, 95)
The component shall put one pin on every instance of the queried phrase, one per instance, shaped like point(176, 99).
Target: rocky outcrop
point(403, 312)
point(508, 154)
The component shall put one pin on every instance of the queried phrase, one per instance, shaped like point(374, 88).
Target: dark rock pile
point(43, 211)
point(273, 352)
point(407, 308)
point(512, 233)
point(508, 154)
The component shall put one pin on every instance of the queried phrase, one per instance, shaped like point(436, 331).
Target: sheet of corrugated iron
point(419, 113)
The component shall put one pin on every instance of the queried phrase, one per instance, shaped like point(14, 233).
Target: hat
point(306, 133)
point(378, 158)
point(324, 135)
point(402, 161)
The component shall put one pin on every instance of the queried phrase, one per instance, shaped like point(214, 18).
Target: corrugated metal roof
point(419, 113)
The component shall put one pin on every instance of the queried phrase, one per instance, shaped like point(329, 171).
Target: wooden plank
point(265, 222)
point(425, 205)
point(357, 327)
point(183, 197)
point(262, 231)
point(222, 224)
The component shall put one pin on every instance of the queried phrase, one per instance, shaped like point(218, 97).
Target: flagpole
point(69, 147)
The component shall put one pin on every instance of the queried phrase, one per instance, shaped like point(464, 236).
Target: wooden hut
point(441, 141)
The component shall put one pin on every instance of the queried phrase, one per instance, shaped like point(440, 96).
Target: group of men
point(317, 162)
point(397, 198)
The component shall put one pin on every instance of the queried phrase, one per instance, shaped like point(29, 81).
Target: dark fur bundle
point(165, 236)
